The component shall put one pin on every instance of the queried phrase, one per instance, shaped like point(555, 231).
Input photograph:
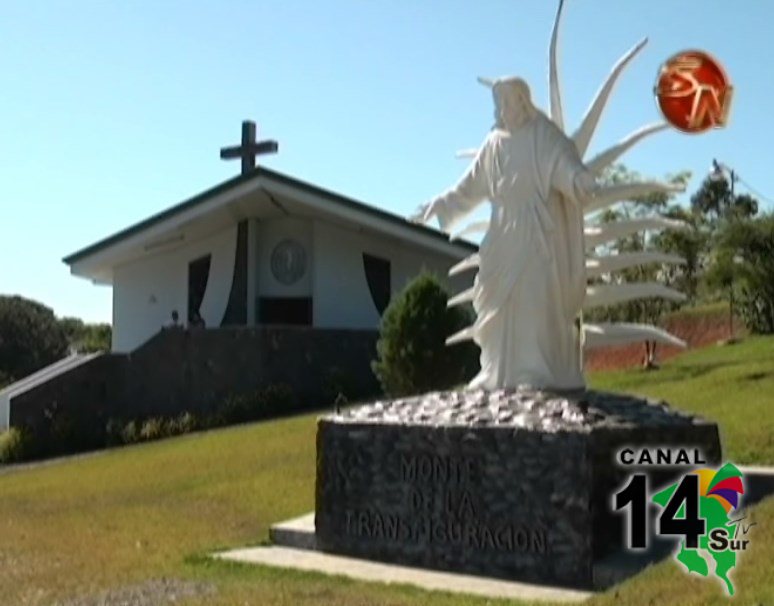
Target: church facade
point(262, 249)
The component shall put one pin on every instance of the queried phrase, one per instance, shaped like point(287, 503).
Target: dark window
point(236, 310)
point(198, 274)
point(285, 310)
point(377, 273)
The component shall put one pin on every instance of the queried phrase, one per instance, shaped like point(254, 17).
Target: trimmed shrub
point(188, 422)
point(130, 434)
point(181, 424)
point(262, 403)
point(153, 429)
point(118, 432)
point(234, 408)
point(412, 352)
point(15, 445)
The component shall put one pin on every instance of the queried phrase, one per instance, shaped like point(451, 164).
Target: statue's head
point(513, 102)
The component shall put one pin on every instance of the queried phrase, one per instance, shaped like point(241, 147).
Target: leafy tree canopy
point(30, 337)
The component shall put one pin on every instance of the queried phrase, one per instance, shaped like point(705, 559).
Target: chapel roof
point(262, 176)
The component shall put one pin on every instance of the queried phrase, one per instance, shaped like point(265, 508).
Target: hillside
point(698, 326)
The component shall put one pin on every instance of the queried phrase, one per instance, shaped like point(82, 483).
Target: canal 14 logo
point(701, 509)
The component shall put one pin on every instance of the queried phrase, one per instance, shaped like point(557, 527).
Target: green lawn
point(732, 384)
point(719, 308)
point(155, 510)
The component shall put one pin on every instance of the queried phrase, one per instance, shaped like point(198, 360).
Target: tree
point(412, 354)
point(745, 206)
point(86, 338)
point(691, 244)
point(30, 337)
point(745, 261)
point(73, 328)
point(714, 201)
point(720, 208)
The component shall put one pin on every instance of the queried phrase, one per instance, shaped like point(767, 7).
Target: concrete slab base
point(297, 533)
point(366, 570)
point(295, 547)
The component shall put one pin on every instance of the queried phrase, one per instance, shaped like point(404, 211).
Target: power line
point(720, 170)
point(755, 191)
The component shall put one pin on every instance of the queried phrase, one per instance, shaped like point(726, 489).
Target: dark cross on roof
point(249, 149)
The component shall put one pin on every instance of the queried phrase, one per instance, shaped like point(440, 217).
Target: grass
point(732, 384)
point(705, 309)
point(155, 510)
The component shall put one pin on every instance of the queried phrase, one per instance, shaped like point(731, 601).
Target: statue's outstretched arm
point(471, 190)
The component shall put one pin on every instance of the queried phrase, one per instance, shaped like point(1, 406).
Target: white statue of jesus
point(531, 280)
point(531, 283)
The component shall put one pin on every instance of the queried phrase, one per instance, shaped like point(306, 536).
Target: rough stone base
point(512, 484)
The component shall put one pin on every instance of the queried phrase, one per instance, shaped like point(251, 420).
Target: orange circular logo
point(693, 92)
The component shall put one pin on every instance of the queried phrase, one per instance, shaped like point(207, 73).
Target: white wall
point(146, 291)
point(341, 295)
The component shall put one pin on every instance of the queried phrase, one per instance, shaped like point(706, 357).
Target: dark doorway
point(198, 275)
point(285, 310)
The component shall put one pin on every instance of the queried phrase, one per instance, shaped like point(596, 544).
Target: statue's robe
point(531, 280)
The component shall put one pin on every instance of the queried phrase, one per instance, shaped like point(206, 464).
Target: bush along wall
point(66, 432)
point(14, 446)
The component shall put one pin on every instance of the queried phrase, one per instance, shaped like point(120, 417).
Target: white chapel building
point(261, 249)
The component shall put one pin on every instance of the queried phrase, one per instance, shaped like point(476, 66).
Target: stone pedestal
point(512, 484)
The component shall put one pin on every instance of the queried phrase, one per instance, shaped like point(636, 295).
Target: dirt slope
point(699, 327)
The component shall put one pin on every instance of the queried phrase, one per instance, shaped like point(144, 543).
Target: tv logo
point(693, 92)
point(697, 509)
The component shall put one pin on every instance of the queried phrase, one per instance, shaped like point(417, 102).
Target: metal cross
point(249, 148)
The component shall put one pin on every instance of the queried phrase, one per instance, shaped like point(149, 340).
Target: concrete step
point(432, 580)
point(297, 533)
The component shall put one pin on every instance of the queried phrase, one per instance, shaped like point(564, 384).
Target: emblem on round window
point(288, 262)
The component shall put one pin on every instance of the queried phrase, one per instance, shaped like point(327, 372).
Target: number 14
point(689, 524)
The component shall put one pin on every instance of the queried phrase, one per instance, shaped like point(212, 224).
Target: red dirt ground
point(698, 330)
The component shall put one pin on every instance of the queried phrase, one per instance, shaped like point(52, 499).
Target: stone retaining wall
point(195, 369)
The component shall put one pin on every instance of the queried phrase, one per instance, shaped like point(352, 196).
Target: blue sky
point(112, 111)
